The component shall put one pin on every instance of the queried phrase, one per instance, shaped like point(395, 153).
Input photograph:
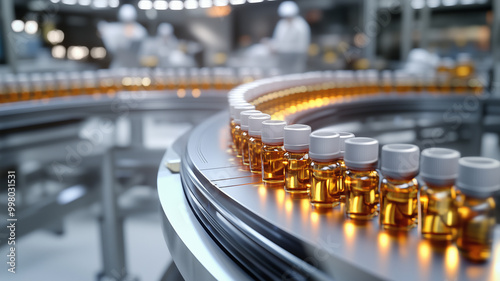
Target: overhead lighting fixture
point(176, 5)
point(466, 2)
point(31, 27)
point(84, 2)
point(237, 2)
point(190, 4)
point(220, 2)
point(450, 2)
point(433, 3)
point(55, 36)
point(114, 3)
point(69, 2)
point(17, 25)
point(98, 52)
point(417, 4)
point(77, 52)
point(100, 4)
point(160, 5)
point(55, 1)
point(205, 3)
point(255, 1)
point(58, 52)
point(145, 4)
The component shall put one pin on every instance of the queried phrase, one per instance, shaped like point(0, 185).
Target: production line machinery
point(223, 222)
point(68, 152)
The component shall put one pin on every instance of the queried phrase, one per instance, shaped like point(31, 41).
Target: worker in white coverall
point(123, 39)
point(291, 39)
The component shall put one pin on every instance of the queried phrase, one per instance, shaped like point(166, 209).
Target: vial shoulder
point(399, 185)
point(362, 175)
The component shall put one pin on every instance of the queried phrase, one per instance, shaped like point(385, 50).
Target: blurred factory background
point(87, 165)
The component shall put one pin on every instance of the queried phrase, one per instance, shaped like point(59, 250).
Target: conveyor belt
point(272, 235)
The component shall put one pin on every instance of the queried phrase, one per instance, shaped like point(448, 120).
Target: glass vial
point(399, 188)
point(232, 122)
point(273, 152)
point(343, 136)
point(325, 171)
point(255, 141)
point(237, 127)
point(478, 179)
point(296, 142)
point(439, 217)
point(361, 179)
point(243, 148)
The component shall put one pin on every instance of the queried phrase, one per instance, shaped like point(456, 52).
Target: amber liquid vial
point(478, 179)
point(399, 188)
point(324, 152)
point(398, 210)
point(297, 172)
point(360, 178)
point(255, 154)
point(244, 140)
point(324, 184)
point(475, 233)
point(238, 109)
point(296, 142)
point(255, 141)
point(237, 139)
point(439, 217)
point(273, 166)
point(243, 148)
point(439, 212)
point(362, 197)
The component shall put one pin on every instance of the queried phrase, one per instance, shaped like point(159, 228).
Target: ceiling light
point(160, 5)
point(176, 5)
point(17, 25)
point(145, 4)
point(31, 27)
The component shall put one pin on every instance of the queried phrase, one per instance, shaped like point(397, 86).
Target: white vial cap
point(324, 145)
point(400, 161)
point(244, 115)
point(240, 108)
point(361, 153)
point(233, 105)
point(255, 124)
point(273, 131)
point(478, 176)
point(297, 137)
point(343, 137)
point(439, 166)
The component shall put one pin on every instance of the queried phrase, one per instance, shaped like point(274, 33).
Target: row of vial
point(35, 86)
point(456, 202)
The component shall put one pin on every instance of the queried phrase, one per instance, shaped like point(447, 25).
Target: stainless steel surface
point(194, 252)
point(406, 35)
point(7, 16)
point(495, 47)
point(112, 239)
point(337, 246)
point(370, 29)
point(425, 22)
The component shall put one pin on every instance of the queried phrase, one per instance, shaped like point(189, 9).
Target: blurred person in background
point(291, 39)
point(156, 51)
point(123, 39)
